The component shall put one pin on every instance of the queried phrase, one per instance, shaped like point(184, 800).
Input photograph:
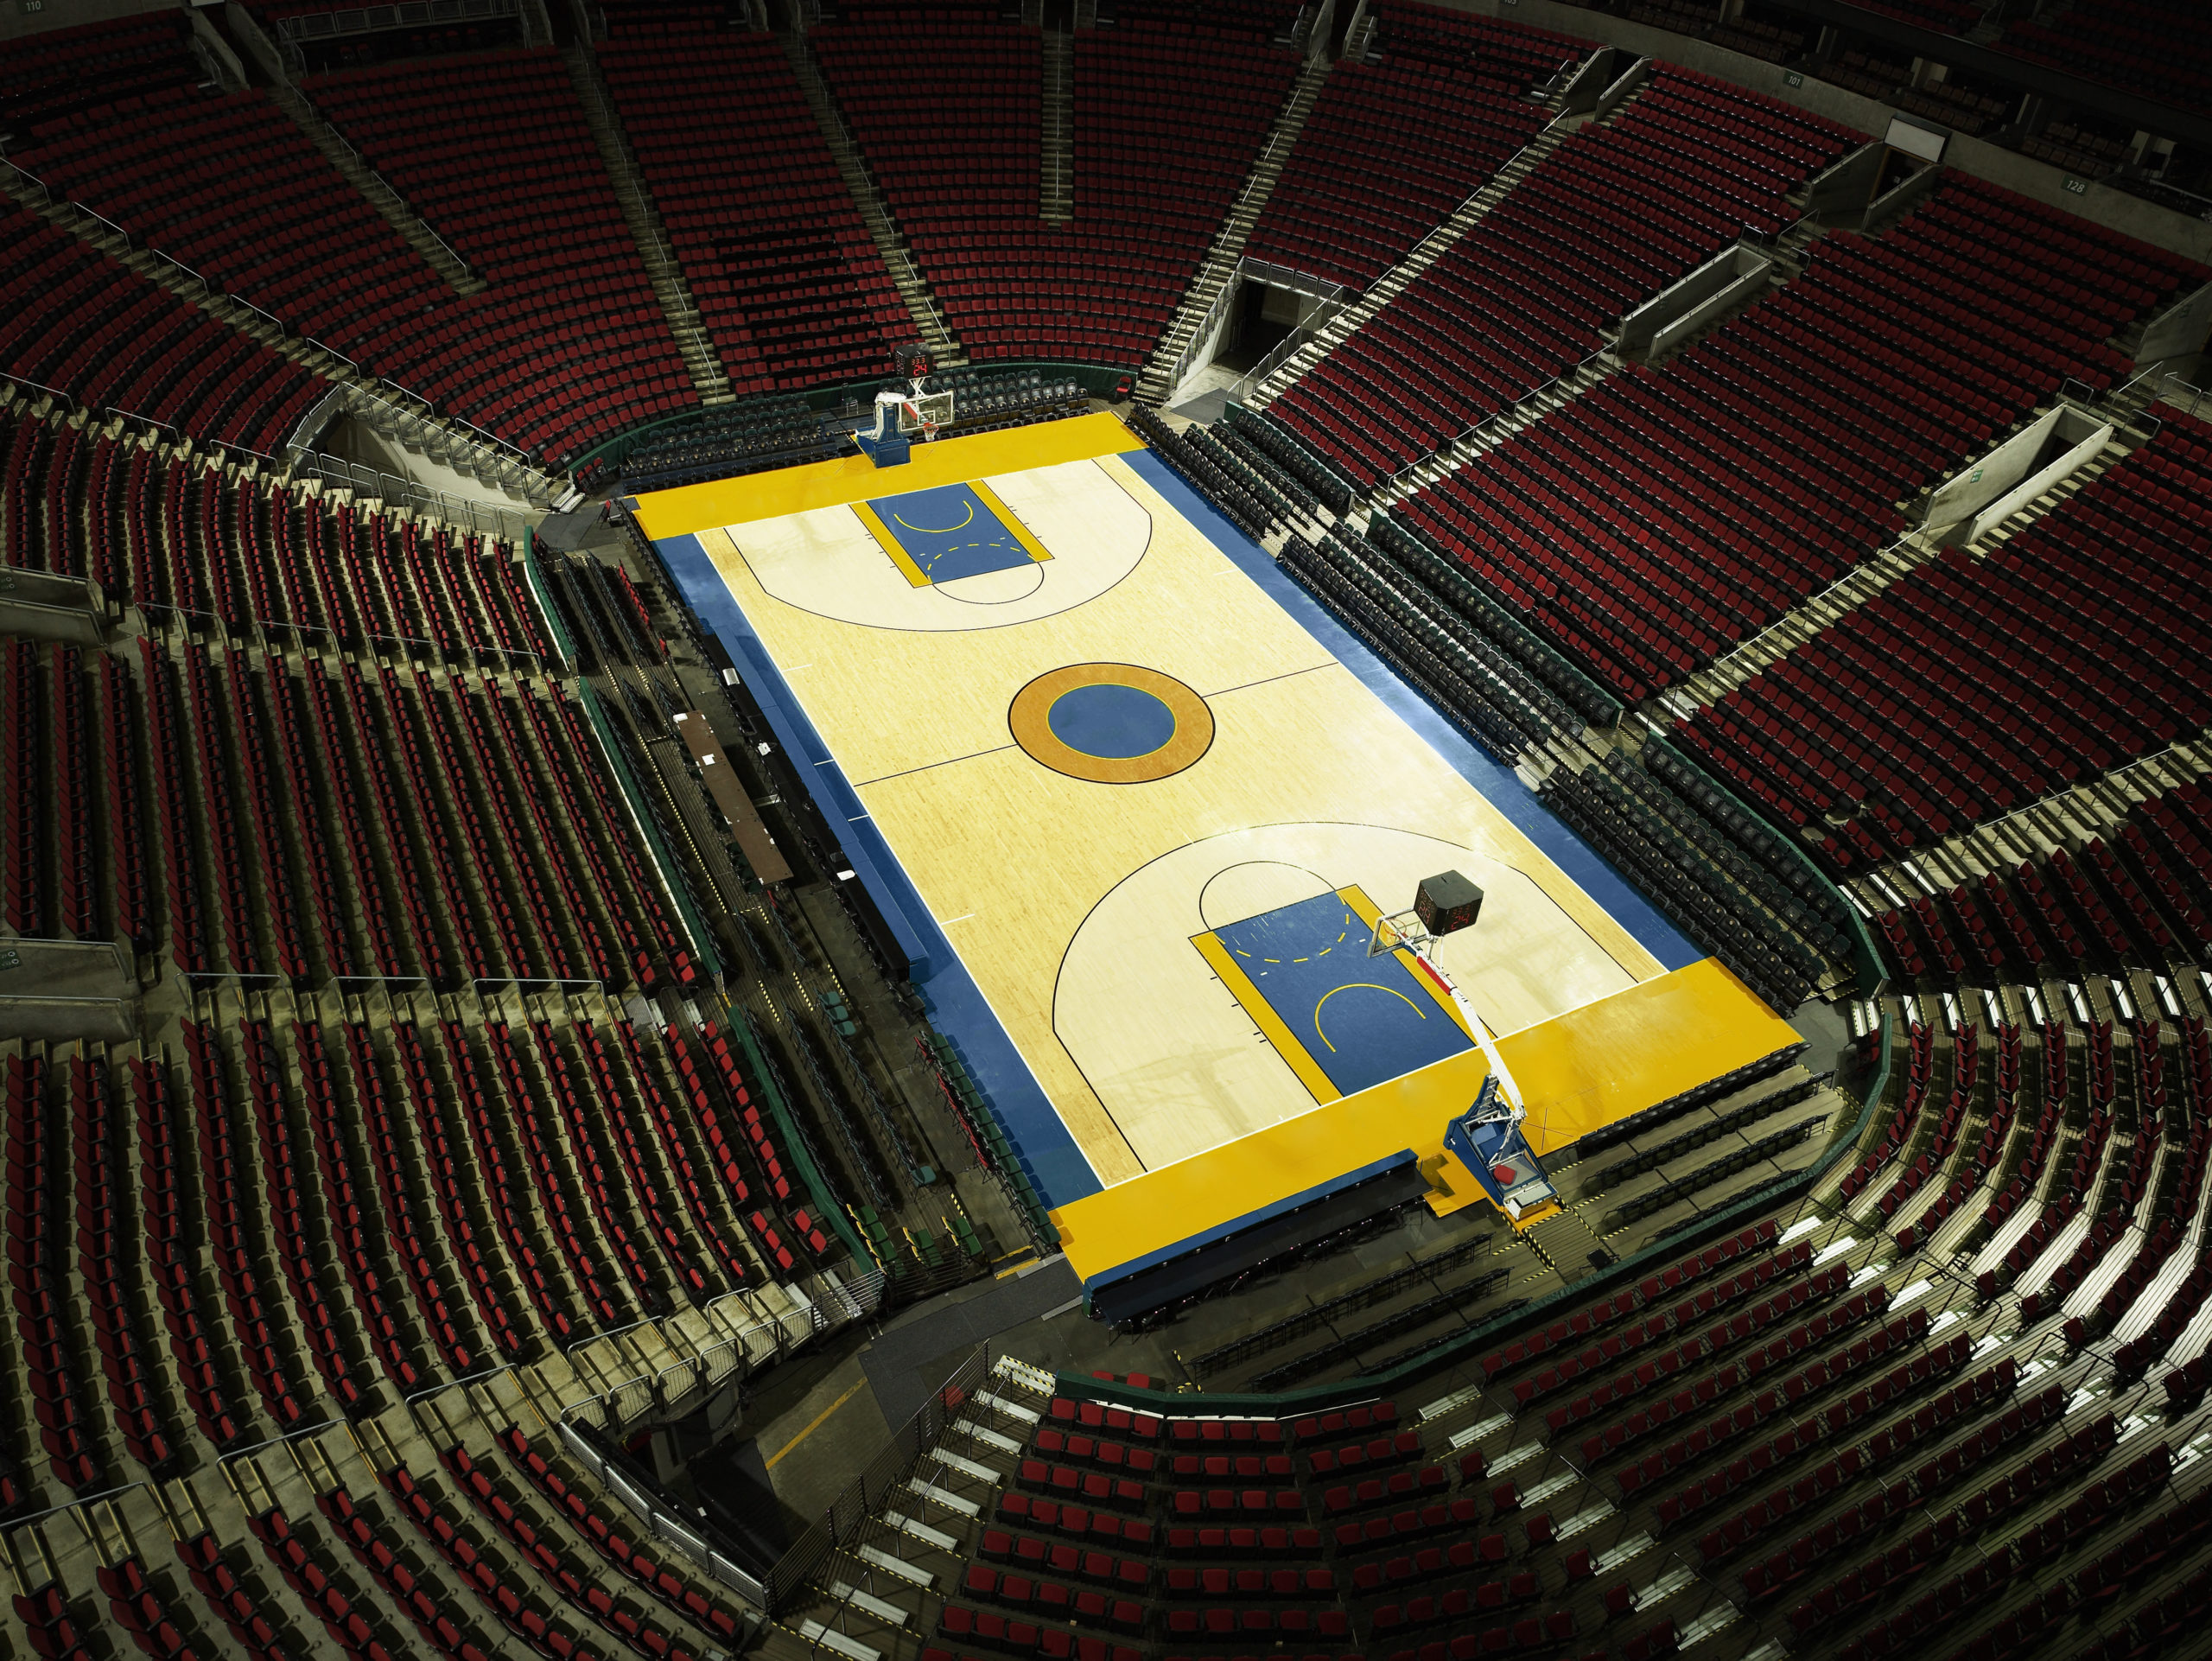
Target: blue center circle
point(1111, 722)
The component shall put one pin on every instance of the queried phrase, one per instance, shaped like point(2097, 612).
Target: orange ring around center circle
point(1028, 717)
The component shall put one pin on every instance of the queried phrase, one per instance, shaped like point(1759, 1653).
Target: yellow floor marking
point(1580, 1070)
point(816, 1424)
point(855, 479)
point(889, 540)
point(1007, 517)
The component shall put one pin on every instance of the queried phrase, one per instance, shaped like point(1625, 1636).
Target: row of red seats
point(1656, 1328)
point(561, 1576)
point(286, 1198)
point(1150, 185)
point(54, 80)
point(522, 1115)
point(613, 1097)
point(2164, 53)
point(367, 1269)
point(237, 903)
point(1387, 152)
point(228, 185)
point(405, 1232)
point(96, 331)
point(613, 1206)
point(721, 1058)
point(1755, 390)
point(37, 1246)
point(396, 726)
point(1875, 1578)
point(613, 1547)
point(1723, 1429)
point(568, 345)
point(2001, 658)
point(1615, 215)
point(645, 1083)
point(230, 1599)
point(104, 1259)
point(225, 1205)
point(234, 695)
point(511, 907)
point(188, 943)
point(499, 1599)
point(444, 1163)
point(1967, 1052)
point(1722, 1540)
point(172, 1260)
point(351, 782)
point(510, 1217)
point(23, 747)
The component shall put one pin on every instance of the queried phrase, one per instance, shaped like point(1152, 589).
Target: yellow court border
point(1007, 517)
point(1587, 1067)
point(1286, 1042)
point(775, 494)
point(1277, 1032)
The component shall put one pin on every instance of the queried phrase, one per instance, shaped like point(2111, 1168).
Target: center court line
point(946, 922)
point(1268, 680)
point(863, 784)
point(816, 1424)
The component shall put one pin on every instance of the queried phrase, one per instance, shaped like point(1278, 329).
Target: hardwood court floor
point(1082, 909)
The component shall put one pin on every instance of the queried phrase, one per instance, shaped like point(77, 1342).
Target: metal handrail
point(1436, 233)
point(1275, 138)
point(500, 446)
point(2196, 394)
point(367, 167)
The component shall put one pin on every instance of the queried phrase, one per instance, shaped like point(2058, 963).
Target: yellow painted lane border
point(1263, 1016)
point(888, 539)
point(911, 568)
point(1007, 517)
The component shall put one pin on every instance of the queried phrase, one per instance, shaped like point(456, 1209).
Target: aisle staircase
point(379, 195)
point(1432, 248)
point(1168, 363)
point(1856, 588)
point(670, 288)
point(406, 418)
point(875, 213)
point(1056, 178)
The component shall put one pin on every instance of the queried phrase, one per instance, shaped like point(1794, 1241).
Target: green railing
point(703, 940)
point(797, 1148)
point(1866, 961)
point(542, 592)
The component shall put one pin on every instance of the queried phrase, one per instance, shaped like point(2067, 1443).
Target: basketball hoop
point(1487, 1137)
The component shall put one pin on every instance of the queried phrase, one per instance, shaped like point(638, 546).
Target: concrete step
point(378, 195)
point(882, 228)
point(1166, 367)
point(670, 287)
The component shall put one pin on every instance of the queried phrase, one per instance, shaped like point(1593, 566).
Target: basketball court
point(1131, 802)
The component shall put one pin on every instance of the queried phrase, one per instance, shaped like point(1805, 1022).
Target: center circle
point(1110, 724)
point(1114, 723)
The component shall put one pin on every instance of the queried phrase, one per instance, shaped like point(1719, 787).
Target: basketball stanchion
point(1488, 1138)
point(899, 415)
